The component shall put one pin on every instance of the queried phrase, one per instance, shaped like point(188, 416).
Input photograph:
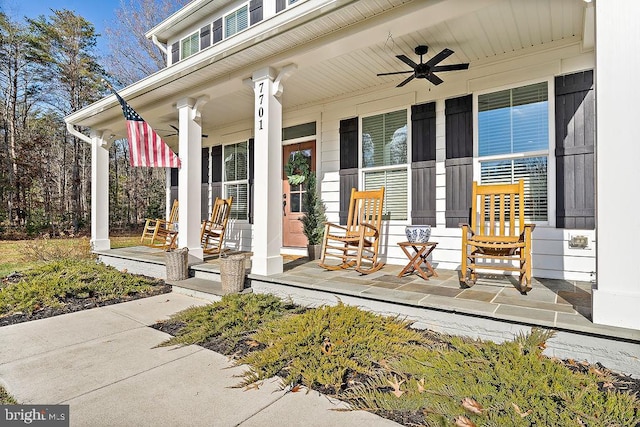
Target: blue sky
point(98, 12)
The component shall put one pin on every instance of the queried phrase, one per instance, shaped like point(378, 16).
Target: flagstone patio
point(492, 309)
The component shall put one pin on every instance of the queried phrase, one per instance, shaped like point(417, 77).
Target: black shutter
point(204, 185)
point(280, 5)
point(348, 164)
point(216, 31)
point(205, 36)
point(175, 52)
point(173, 184)
point(575, 151)
point(216, 172)
point(255, 11)
point(423, 163)
point(459, 159)
point(251, 179)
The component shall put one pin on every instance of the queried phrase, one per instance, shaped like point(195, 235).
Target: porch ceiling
point(339, 54)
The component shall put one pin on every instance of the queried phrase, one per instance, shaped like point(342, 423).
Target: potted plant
point(314, 216)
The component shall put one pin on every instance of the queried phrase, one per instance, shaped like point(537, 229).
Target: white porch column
point(100, 190)
point(267, 223)
point(616, 301)
point(189, 146)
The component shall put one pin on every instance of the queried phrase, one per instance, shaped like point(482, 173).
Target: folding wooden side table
point(417, 254)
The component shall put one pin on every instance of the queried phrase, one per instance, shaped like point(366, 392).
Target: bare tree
point(132, 56)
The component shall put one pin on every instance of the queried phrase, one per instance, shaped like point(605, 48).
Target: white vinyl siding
point(513, 142)
point(235, 178)
point(189, 45)
point(384, 160)
point(236, 21)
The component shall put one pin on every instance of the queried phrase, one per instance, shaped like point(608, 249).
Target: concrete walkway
point(102, 362)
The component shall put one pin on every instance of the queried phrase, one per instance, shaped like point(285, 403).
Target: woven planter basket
point(177, 264)
point(232, 273)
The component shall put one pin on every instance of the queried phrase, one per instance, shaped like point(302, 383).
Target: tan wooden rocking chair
point(359, 240)
point(161, 233)
point(497, 235)
point(213, 229)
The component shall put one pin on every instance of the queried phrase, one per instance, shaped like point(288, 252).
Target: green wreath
point(297, 168)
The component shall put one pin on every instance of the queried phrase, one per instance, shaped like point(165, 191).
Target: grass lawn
point(20, 254)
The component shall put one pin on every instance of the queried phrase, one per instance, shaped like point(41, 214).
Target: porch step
point(210, 290)
point(206, 271)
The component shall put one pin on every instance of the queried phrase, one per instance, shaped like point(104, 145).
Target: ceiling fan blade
point(452, 67)
point(177, 130)
point(434, 79)
point(406, 81)
point(395, 72)
point(407, 61)
point(444, 53)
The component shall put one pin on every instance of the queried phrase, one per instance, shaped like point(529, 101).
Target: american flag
point(146, 147)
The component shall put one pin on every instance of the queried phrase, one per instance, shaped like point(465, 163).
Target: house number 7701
point(260, 109)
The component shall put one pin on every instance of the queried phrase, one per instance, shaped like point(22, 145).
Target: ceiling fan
point(426, 70)
point(176, 129)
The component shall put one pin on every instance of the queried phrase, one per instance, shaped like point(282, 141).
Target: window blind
point(513, 120)
point(239, 206)
point(395, 186)
point(190, 45)
point(236, 21)
point(384, 139)
point(235, 169)
point(532, 170)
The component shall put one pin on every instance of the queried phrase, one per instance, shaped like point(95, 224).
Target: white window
point(189, 45)
point(235, 158)
point(384, 160)
point(236, 21)
point(513, 142)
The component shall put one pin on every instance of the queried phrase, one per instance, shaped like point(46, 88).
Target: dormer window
point(236, 21)
point(189, 45)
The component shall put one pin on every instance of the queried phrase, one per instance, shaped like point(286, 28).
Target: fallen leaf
point(252, 343)
point(326, 346)
point(471, 405)
point(462, 421)
point(396, 386)
point(420, 385)
point(519, 411)
point(296, 388)
point(597, 371)
point(608, 384)
point(255, 386)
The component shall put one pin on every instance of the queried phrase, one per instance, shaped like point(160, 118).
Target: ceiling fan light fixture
point(425, 70)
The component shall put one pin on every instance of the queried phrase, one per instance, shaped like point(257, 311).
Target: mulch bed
point(73, 304)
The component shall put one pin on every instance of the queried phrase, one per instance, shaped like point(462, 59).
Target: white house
point(546, 97)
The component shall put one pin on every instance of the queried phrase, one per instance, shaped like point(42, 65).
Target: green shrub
point(50, 284)
point(494, 384)
point(324, 347)
point(6, 398)
point(228, 321)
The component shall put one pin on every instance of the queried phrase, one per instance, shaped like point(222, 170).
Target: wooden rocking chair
point(213, 229)
point(359, 240)
point(161, 233)
point(497, 235)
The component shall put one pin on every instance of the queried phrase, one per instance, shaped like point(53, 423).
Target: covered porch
point(318, 63)
point(493, 309)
